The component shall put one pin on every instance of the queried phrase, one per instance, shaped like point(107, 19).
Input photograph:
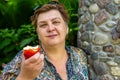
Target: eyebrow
point(52, 20)
point(56, 18)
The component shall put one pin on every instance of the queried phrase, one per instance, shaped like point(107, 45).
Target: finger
point(23, 57)
point(34, 58)
point(42, 56)
point(40, 60)
point(40, 65)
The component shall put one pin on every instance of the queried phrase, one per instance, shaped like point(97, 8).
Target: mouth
point(52, 36)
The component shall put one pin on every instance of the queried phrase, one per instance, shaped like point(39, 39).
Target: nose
point(51, 27)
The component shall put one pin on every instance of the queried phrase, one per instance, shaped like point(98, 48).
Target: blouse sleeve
point(83, 58)
point(12, 69)
point(84, 62)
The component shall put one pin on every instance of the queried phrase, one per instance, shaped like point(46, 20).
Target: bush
point(14, 40)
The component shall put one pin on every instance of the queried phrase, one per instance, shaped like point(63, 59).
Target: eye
point(42, 25)
point(56, 22)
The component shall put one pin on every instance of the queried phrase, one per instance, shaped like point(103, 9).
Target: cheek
point(65, 30)
point(39, 33)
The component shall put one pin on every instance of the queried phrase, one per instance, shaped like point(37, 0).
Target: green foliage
point(14, 13)
point(72, 7)
point(13, 41)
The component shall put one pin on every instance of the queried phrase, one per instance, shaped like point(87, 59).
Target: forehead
point(49, 15)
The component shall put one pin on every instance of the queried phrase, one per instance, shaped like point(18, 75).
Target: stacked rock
point(99, 36)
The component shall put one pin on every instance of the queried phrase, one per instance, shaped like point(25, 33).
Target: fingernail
point(37, 55)
point(42, 56)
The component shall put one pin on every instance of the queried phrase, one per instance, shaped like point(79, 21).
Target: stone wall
point(99, 36)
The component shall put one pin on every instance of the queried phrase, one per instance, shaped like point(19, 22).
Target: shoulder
point(76, 49)
point(78, 52)
point(17, 58)
point(11, 68)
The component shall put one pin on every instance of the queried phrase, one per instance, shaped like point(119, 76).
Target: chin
point(56, 43)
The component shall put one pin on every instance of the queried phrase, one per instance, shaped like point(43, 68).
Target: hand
point(31, 67)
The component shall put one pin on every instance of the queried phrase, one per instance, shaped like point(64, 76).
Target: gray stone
point(111, 8)
point(86, 3)
point(116, 17)
point(94, 8)
point(117, 50)
point(104, 59)
point(97, 77)
point(81, 29)
point(89, 49)
point(94, 56)
point(111, 24)
point(89, 26)
point(85, 37)
point(115, 71)
point(103, 54)
point(108, 48)
point(83, 44)
point(118, 27)
point(104, 28)
point(106, 77)
point(100, 68)
point(117, 59)
point(117, 78)
point(103, 3)
point(85, 18)
point(111, 54)
point(93, 1)
point(112, 63)
point(92, 74)
point(97, 48)
point(100, 38)
point(115, 34)
point(101, 17)
point(80, 12)
point(117, 1)
point(115, 42)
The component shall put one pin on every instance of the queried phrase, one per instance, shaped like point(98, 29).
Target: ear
point(67, 28)
point(37, 31)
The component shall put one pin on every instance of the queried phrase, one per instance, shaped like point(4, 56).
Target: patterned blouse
point(76, 67)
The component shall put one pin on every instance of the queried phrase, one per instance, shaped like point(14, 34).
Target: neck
point(56, 53)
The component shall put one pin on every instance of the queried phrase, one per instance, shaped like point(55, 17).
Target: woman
point(56, 61)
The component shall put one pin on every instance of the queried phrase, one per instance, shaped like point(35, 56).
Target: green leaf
point(26, 41)
point(5, 43)
point(9, 48)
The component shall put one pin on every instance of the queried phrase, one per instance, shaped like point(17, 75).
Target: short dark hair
point(47, 7)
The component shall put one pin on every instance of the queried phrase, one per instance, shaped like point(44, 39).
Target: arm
point(11, 70)
point(31, 67)
point(83, 60)
point(20, 69)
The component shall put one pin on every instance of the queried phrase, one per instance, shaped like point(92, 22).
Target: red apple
point(30, 51)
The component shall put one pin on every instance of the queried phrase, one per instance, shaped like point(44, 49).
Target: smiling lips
point(52, 36)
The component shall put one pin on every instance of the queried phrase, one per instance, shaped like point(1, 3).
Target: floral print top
point(76, 67)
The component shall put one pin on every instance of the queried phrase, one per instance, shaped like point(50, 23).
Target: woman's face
point(51, 28)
